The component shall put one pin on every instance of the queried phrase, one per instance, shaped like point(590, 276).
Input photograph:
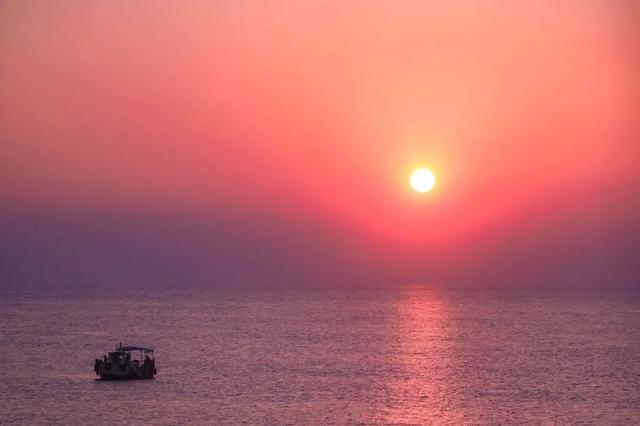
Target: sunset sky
point(251, 143)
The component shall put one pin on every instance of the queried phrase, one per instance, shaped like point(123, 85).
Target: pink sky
point(286, 131)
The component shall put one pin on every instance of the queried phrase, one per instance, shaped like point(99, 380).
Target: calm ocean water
point(402, 356)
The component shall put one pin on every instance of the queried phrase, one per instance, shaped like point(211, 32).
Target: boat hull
point(108, 371)
point(107, 376)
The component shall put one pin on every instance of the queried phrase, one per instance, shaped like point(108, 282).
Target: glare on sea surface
point(422, 180)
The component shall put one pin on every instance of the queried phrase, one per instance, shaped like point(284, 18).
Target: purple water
point(401, 356)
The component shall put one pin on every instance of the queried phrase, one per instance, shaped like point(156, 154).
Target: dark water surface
point(403, 356)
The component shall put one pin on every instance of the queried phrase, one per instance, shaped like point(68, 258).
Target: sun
point(422, 180)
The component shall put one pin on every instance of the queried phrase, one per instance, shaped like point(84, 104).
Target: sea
point(413, 355)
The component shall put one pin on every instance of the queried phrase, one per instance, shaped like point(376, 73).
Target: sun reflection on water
point(422, 356)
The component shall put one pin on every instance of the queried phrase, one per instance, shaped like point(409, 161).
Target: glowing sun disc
point(422, 180)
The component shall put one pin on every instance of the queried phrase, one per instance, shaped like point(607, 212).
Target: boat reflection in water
point(121, 365)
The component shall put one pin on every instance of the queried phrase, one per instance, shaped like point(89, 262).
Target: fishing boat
point(126, 363)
